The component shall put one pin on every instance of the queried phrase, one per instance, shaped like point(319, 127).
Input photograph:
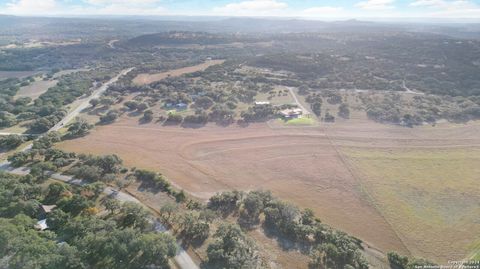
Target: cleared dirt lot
point(35, 89)
point(298, 164)
point(143, 79)
point(371, 180)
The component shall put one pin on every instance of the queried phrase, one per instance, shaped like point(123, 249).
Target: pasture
point(144, 79)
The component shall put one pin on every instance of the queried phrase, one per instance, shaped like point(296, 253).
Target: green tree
point(18, 159)
point(168, 210)
point(133, 215)
point(112, 205)
point(75, 205)
point(79, 128)
point(57, 219)
point(55, 192)
point(110, 117)
point(232, 249)
point(42, 170)
point(344, 111)
point(10, 142)
point(147, 116)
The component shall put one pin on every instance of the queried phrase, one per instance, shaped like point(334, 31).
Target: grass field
point(144, 79)
point(281, 96)
point(304, 121)
point(430, 196)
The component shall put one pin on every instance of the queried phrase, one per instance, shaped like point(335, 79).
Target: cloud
point(124, 7)
point(448, 9)
point(252, 8)
point(89, 7)
point(323, 9)
point(26, 7)
point(324, 12)
point(376, 4)
point(121, 2)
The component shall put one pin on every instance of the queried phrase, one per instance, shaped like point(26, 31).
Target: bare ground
point(143, 79)
point(35, 89)
point(297, 164)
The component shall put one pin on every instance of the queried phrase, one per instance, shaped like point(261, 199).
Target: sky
point(314, 9)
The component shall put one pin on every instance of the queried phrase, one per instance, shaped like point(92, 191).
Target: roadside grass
point(429, 196)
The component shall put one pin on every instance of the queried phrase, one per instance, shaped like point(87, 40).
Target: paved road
point(86, 101)
point(84, 104)
point(182, 258)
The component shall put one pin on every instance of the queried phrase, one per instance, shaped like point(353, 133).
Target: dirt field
point(143, 79)
point(298, 164)
point(371, 180)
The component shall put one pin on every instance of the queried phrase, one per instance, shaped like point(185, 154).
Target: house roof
point(41, 225)
point(48, 208)
point(289, 112)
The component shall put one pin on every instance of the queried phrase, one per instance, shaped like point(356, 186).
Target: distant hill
point(185, 38)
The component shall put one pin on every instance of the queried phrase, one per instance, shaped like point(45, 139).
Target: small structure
point(41, 225)
point(181, 106)
point(45, 209)
point(291, 113)
point(178, 106)
point(262, 103)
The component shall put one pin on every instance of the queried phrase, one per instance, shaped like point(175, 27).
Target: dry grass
point(35, 89)
point(430, 196)
point(410, 190)
point(143, 79)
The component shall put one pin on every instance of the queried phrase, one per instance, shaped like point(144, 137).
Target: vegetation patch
point(428, 195)
point(303, 121)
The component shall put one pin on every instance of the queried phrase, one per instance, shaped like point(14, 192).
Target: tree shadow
point(284, 243)
point(193, 125)
point(135, 113)
point(149, 187)
point(143, 120)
